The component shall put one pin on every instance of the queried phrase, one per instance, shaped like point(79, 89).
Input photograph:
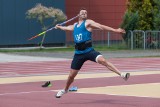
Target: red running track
point(62, 67)
point(32, 94)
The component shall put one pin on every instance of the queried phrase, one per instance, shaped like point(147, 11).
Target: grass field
point(59, 49)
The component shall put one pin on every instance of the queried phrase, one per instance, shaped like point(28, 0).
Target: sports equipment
point(47, 84)
point(53, 27)
point(73, 88)
point(60, 93)
point(125, 76)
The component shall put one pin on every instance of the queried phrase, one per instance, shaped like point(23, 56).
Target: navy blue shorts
point(79, 59)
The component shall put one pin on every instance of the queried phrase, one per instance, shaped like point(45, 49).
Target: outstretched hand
point(119, 30)
point(57, 26)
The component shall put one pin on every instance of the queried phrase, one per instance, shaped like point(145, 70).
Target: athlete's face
point(83, 14)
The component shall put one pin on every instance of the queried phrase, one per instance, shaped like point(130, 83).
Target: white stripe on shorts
point(97, 58)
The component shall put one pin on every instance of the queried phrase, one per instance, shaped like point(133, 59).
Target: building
point(15, 29)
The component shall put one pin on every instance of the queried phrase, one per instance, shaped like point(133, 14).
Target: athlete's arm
point(94, 24)
point(66, 28)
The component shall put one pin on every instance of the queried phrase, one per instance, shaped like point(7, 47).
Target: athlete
point(82, 31)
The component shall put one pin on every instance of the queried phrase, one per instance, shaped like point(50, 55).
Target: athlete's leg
point(76, 65)
point(70, 79)
point(101, 60)
point(97, 57)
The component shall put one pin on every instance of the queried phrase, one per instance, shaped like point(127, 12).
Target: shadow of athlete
point(82, 31)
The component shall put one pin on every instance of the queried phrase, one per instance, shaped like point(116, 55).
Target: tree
point(130, 22)
point(156, 14)
point(42, 13)
point(146, 16)
point(141, 15)
point(148, 12)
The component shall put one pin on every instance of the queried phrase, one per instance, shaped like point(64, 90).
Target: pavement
point(57, 56)
point(24, 58)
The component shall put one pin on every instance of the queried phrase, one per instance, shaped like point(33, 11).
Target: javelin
point(53, 27)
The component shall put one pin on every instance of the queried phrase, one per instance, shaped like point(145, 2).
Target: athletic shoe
point(125, 76)
point(47, 84)
point(60, 93)
point(73, 88)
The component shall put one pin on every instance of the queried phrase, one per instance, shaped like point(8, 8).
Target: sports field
point(20, 84)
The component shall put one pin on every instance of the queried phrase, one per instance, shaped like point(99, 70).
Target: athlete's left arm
point(94, 24)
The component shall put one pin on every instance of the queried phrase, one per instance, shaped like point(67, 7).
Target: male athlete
point(82, 31)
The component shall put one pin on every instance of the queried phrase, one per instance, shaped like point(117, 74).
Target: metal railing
point(137, 39)
point(101, 38)
point(145, 39)
point(152, 39)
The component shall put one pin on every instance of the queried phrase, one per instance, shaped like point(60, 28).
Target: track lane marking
point(11, 80)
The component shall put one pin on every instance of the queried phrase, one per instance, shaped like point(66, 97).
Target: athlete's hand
point(119, 30)
point(58, 26)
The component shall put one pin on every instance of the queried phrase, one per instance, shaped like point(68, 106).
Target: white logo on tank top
point(79, 37)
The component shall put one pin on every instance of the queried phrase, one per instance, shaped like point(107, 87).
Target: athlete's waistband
point(83, 45)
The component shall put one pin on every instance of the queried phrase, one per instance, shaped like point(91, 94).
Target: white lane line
point(25, 92)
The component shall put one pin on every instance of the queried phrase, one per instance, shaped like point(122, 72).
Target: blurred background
point(140, 19)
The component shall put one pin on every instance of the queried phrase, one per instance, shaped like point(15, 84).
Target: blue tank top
point(81, 34)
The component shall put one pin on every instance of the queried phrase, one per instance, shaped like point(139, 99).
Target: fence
point(136, 39)
point(100, 38)
point(145, 39)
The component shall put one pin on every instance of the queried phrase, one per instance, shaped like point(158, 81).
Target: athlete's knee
point(102, 60)
point(73, 74)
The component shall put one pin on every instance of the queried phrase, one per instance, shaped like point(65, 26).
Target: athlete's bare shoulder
point(89, 21)
point(75, 23)
point(88, 24)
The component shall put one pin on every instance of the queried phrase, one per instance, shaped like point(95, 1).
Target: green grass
point(111, 48)
point(38, 50)
point(98, 47)
point(61, 49)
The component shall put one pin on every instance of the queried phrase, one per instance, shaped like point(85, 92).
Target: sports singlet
point(81, 34)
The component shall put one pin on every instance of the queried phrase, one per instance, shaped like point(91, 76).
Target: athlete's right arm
point(66, 28)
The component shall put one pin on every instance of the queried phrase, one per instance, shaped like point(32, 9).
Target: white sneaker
point(125, 76)
point(60, 93)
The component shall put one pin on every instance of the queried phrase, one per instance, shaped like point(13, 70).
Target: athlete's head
point(83, 13)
